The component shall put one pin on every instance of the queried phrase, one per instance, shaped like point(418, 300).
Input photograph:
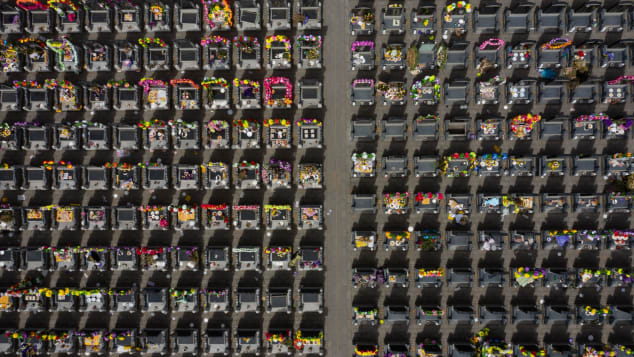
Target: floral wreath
point(246, 82)
point(356, 44)
point(26, 84)
point(211, 7)
point(373, 351)
point(245, 123)
point(359, 81)
point(621, 78)
point(120, 83)
point(29, 5)
point(182, 81)
point(148, 83)
point(148, 123)
point(240, 41)
point(208, 82)
point(216, 125)
point(494, 42)
point(146, 42)
point(55, 5)
point(307, 121)
point(557, 43)
point(268, 91)
point(208, 40)
point(283, 122)
point(277, 38)
point(58, 47)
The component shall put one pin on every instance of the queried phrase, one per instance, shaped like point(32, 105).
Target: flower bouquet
point(522, 125)
point(426, 89)
point(363, 164)
point(218, 14)
point(396, 203)
point(272, 98)
point(525, 275)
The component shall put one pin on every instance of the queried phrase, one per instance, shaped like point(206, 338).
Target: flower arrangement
point(283, 122)
point(215, 11)
point(556, 43)
point(116, 84)
point(29, 5)
point(362, 18)
point(359, 44)
point(526, 272)
point(588, 274)
point(277, 338)
point(371, 351)
point(301, 340)
point(363, 82)
point(398, 235)
point(433, 312)
point(268, 91)
point(424, 349)
point(310, 39)
point(592, 311)
point(431, 273)
point(395, 203)
point(120, 166)
point(470, 157)
point(427, 85)
point(214, 40)
point(522, 125)
point(146, 42)
point(151, 123)
point(591, 117)
point(208, 82)
point(148, 83)
point(184, 81)
point(493, 42)
point(365, 314)
point(246, 83)
point(279, 251)
point(26, 84)
point(183, 292)
point(245, 124)
point(621, 78)
point(458, 6)
point(246, 208)
point(363, 162)
point(268, 41)
point(62, 164)
point(272, 208)
point(181, 122)
point(246, 165)
point(246, 42)
point(421, 118)
point(306, 121)
point(215, 125)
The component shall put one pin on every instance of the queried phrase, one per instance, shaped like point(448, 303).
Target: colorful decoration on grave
point(65, 50)
point(217, 11)
point(184, 81)
point(269, 91)
point(522, 125)
point(146, 42)
point(557, 43)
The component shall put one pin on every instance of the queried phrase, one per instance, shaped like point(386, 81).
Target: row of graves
point(149, 94)
point(155, 134)
point(212, 52)
point(432, 240)
point(485, 345)
point(459, 17)
point(179, 258)
point(614, 166)
point(516, 277)
point(548, 58)
point(220, 299)
point(162, 217)
point(152, 341)
point(245, 175)
point(429, 92)
point(74, 16)
point(528, 126)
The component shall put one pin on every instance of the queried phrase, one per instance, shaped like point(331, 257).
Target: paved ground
point(339, 257)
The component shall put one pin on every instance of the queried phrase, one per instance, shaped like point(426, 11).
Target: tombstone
point(96, 97)
point(10, 100)
point(216, 217)
point(187, 56)
point(99, 19)
point(127, 17)
point(187, 14)
point(127, 56)
point(97, 57)
point(278, 14)
point(66, 218)
point(35, 178)
point(157, 16)
point(68, 19)
point(95, 218)
point(11, 19)
point(124, 218)
point(309, 94)
point(39, 21)
point(36, 99)
point(217, 176)
point(126, 137)
point(216, 53)
point(96, 137)
point(126, 98)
